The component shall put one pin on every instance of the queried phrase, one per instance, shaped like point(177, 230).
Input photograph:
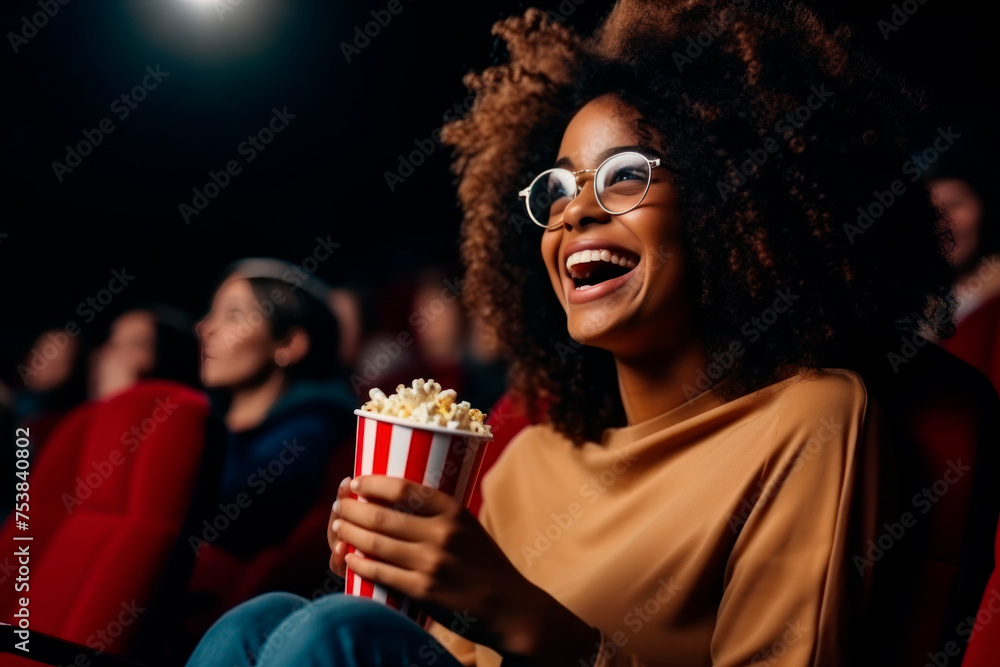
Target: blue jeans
point(281, 629)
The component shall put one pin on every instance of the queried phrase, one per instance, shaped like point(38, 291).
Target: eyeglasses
point(620, 184)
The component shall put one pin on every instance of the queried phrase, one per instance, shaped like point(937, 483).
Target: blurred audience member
point(438, 325)
point(485, 371)
point(346, 306)
point(976, 260)
point(54, 372)
point(270, 349)
point(449, 344)
point(150, 341)
point(386, 356)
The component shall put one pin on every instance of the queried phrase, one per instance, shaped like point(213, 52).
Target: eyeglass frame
point(653, 164)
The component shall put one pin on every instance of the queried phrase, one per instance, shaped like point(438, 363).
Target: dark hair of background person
point(297, 308)
point(783, 229)
point(177, 347)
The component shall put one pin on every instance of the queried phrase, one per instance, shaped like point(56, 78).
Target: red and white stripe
point(442, 460)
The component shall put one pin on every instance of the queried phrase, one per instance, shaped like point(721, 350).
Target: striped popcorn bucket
point(438, 457)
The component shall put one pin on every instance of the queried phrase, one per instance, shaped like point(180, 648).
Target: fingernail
point(336, 506)
point(344, 482)
point(355, 484)
point(336, 525)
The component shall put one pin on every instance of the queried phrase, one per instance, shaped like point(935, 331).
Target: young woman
point(269, 352)
point(661, 230)
point(976, 260)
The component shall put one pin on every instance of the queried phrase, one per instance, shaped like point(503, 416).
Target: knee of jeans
point(269, 608)
point(351, 611)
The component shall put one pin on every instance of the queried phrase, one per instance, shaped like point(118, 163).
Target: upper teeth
point(598, 254)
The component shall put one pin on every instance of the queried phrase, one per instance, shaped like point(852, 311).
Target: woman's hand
point(338, 548)
point(426, 545)
point(422, 543)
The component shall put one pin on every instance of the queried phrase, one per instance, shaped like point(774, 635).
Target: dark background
point(324, 174)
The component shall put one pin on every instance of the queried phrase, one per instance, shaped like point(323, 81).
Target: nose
point(584, 209)
point(201, 326)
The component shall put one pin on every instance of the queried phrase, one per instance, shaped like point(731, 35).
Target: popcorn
point(425, 403)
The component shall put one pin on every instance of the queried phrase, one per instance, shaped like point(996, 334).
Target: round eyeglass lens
point(550, 193)
point(622, 181)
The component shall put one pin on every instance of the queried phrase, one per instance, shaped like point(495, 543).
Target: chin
point(209, 380)
point(591, 333)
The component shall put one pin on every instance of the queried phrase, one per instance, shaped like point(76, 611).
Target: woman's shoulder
point(823, 389)
point(832, 402)
point(827, 383)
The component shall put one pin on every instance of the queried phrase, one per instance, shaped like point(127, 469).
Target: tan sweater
point(713, 534)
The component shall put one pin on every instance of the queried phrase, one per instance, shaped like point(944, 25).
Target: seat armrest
point(49, 650)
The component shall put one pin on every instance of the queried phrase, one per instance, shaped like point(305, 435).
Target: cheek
point(965, 220)
point(244, 352)
point(147, 358)
point(664, 258)
point(550, 251)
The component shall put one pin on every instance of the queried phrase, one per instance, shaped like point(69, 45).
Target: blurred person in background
point(147, 341)
point(347, 306)
point(976, 260)
point(438, 325)
point(54, 372)
point(386, 353)
point(270, 351)
point(450, 346)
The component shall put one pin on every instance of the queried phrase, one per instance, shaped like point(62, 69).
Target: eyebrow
point(605, 154)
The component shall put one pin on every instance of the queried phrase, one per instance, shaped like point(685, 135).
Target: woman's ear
point(293, 348)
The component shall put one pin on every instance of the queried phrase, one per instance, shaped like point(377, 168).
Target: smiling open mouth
point(591, 267)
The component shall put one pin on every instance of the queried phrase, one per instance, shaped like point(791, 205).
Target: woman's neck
point(656, 383)
point(251, 404)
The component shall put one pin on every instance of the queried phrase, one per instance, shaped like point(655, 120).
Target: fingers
point(344, 488)
point(338, 549)
point(338, 564)
point(390, 521)
point(408, 555)
point(403, 580)
point(403, 494)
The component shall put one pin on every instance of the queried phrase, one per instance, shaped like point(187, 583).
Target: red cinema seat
point(944, 418)
point(109, 498)
point(506, 418)
point(220, 580)
point(984, 643)
point(977, 339)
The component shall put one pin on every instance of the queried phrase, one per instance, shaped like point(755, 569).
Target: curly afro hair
point(786, 137)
